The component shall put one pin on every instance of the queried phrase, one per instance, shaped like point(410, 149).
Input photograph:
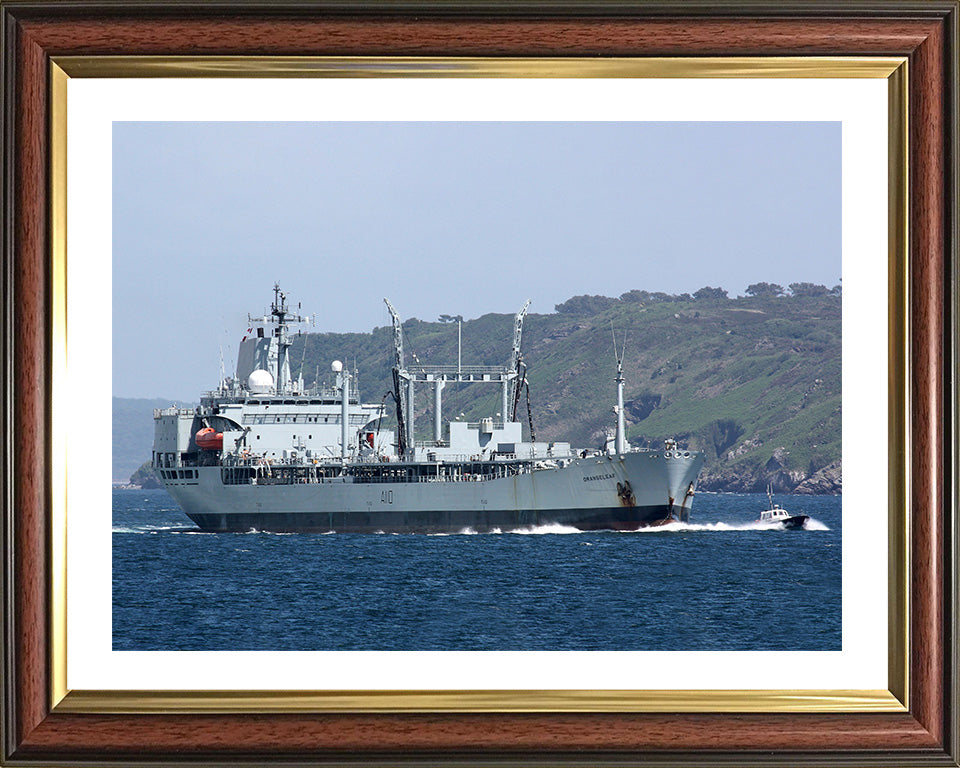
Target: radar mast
point(281, 316)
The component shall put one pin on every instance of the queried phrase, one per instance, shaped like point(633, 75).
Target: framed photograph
point(156, 156)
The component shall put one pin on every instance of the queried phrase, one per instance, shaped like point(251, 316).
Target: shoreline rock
point(826, 481)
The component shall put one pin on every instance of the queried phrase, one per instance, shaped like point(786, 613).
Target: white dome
point(336, 366)
point(260, 381)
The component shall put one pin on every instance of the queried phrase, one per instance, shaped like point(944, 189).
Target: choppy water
point(722, 582)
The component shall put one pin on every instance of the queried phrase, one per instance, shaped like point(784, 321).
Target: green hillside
point(754, 381)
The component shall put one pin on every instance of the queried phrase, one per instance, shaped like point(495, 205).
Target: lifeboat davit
point(208, 439)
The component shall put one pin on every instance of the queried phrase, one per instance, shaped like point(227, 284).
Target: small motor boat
point(777, 514)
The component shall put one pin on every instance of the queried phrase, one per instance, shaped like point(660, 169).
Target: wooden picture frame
point(36, 34)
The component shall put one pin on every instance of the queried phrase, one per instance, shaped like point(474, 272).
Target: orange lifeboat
point(208, 439)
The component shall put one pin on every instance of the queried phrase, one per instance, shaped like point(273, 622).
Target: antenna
point(621, 444)
point(623, 347)
point(303, 357)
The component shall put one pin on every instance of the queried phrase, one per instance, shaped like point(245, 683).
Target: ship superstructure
point(264, 452)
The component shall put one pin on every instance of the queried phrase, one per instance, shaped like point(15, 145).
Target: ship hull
point(587, 494)
point(436, 521)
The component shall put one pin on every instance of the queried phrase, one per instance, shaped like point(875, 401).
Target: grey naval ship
point(263, 452)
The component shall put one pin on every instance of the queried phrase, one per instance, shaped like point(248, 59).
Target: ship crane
point(439, 375)
point(517, 334)
point(516, 363)
point(404, 399)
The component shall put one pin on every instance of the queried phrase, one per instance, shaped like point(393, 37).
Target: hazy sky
point(444, 218)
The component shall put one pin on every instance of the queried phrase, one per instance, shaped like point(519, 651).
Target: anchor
point(684, 512)
point(625, 492)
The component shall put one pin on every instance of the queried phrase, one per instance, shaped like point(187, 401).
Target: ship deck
point(263, 473)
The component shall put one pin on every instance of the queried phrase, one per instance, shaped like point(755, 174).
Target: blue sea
point(718, 583)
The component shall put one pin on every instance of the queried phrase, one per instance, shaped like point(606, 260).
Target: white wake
point(753, 525)
point(539, 530)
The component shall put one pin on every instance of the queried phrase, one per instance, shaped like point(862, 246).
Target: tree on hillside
point(765, 290)
point(808, 289)
point(837, 290)
point(450, 318)
point(585, 305)
point(145, 477)
point(646, 297)
point(710, 293)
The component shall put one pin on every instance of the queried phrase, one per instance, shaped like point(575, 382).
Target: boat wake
point(153, 529)
point(677, 527)
point(462, 532)
point(812, 524)
point(532, 530)
point(550, 528)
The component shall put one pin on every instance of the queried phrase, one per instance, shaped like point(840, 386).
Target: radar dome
point(260, 381)
point(336, 366)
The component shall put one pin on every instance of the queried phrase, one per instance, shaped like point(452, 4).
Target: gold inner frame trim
point(893, 69)
point(429, 66)
point(898, 383)
point(132, 702)
point(58, 407)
